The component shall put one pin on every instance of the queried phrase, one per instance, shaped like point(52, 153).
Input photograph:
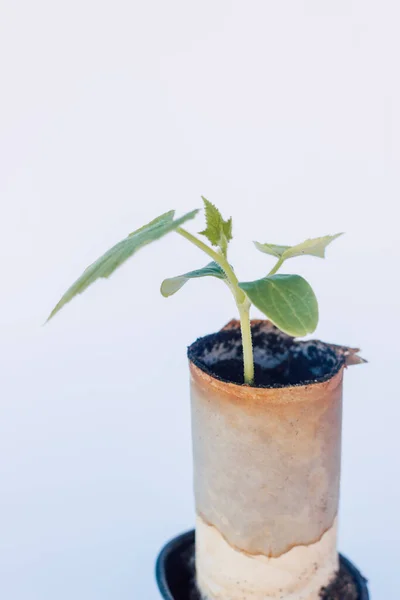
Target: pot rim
point(282, 394)
point(345, 356)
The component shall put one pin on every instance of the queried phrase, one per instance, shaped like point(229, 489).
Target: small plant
point(287, 300)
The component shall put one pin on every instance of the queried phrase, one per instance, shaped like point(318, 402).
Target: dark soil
point(342, 588)
point(292, 371)
point(279, 359)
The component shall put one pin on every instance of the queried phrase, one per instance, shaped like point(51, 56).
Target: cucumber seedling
point(287, 300)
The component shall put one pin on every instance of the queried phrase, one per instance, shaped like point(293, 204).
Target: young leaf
point(218, 231)
point(272, 249)
point(173, 284)
point(118, 254)
point(287, 300)
point(312, 247)
point(167, 217)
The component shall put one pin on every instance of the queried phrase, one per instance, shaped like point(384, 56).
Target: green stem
point(240, 296)
point(247, 343)
point(242, 302)
point(276, 267)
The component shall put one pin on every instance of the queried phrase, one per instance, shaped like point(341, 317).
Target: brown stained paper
point(267, 460)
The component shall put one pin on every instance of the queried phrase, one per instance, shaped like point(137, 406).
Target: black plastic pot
point(175, 569)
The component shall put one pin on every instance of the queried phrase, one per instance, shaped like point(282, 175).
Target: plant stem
point(276, 267)
point(242, 302)
point(247, 343)
point(240, 296)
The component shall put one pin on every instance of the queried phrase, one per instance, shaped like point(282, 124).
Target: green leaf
point(167, 217)
point(272, 249)
point(218, 231)
point(118, 254)
point(173, 284)
point(311, 247)
point(287, 300)
point(227, 229)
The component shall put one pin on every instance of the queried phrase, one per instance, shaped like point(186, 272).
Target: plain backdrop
point(286, 115)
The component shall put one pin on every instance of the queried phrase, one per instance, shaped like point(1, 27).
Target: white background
point(286, 115)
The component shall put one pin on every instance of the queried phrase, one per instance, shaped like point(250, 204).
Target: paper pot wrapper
point(266, 463)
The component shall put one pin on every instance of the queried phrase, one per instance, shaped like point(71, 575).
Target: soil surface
point(279, 360)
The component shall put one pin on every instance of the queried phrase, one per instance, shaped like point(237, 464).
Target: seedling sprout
point(287, 300)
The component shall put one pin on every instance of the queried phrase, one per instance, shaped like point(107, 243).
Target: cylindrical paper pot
point(266, 466)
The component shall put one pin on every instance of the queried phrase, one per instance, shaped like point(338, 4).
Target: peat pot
point(266, 472)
